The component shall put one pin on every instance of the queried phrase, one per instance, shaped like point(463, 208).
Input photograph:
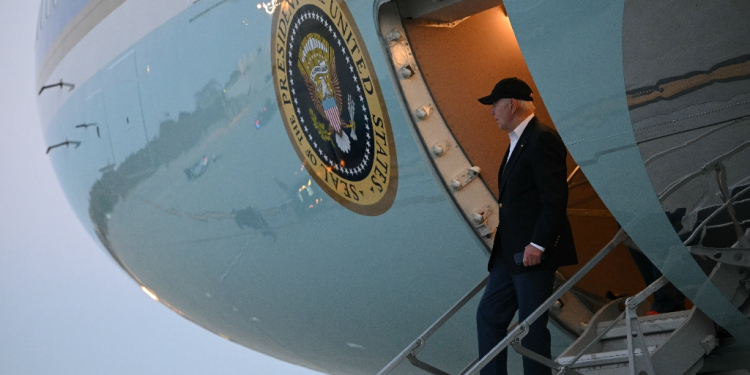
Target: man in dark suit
point(534, 237)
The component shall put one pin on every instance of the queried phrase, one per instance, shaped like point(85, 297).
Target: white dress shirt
point(514, 136)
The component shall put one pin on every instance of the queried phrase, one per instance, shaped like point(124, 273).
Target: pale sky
point(65, 306)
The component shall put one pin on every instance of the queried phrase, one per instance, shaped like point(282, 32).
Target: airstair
point(616, 340)
point(675, 342)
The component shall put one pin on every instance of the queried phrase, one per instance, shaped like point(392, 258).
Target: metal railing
point(514, 335)
point(411, 351)
point(705, 222)
point(716, 165)
point(638, 355)
point(642, 362)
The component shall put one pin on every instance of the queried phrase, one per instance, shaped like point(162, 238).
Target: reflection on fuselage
point(213, 212)
point(690, 115)
point(194, 189)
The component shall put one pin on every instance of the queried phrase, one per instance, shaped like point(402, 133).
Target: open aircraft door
point(445, 55)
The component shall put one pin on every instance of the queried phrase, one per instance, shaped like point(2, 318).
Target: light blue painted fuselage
point(186, 175)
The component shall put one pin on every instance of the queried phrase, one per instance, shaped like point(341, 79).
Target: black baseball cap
point(508, 88)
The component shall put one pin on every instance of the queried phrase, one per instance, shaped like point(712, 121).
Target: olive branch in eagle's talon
point(322, 129)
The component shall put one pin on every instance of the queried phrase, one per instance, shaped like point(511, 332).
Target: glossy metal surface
point(575, 53)
point(187, 177)
point(689, 102)
point(52, 20)
point(190, 182)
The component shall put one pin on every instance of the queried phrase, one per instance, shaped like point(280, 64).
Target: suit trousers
point(503, 295)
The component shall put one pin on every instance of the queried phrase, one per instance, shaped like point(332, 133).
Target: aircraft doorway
point(444, 57)
point(463, 63)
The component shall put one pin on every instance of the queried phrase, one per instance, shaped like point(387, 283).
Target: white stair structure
point(676, 343)
point(616, 340)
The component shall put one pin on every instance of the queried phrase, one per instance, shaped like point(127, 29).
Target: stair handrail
point(630, 305)
point(706, 169)
point(514, 335)
point(596, 339)
point(520, 331)
point(417, 345)
point(714, 214)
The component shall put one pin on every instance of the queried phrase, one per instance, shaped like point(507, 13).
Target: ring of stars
point(362, 167)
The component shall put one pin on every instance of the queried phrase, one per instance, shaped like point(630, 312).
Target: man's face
point(502, 111)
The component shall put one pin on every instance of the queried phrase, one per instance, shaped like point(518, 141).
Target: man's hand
point(532, 256)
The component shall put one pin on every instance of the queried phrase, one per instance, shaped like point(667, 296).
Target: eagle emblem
point(331, 104)
point(318, 68)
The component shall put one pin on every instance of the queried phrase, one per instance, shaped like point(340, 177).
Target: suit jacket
point(533, 201)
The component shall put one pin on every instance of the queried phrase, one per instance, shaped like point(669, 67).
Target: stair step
point(656, 329)
point(610, 356)
point(614, 357)
point(649, 324)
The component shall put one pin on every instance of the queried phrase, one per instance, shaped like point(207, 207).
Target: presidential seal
point(330, 100)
